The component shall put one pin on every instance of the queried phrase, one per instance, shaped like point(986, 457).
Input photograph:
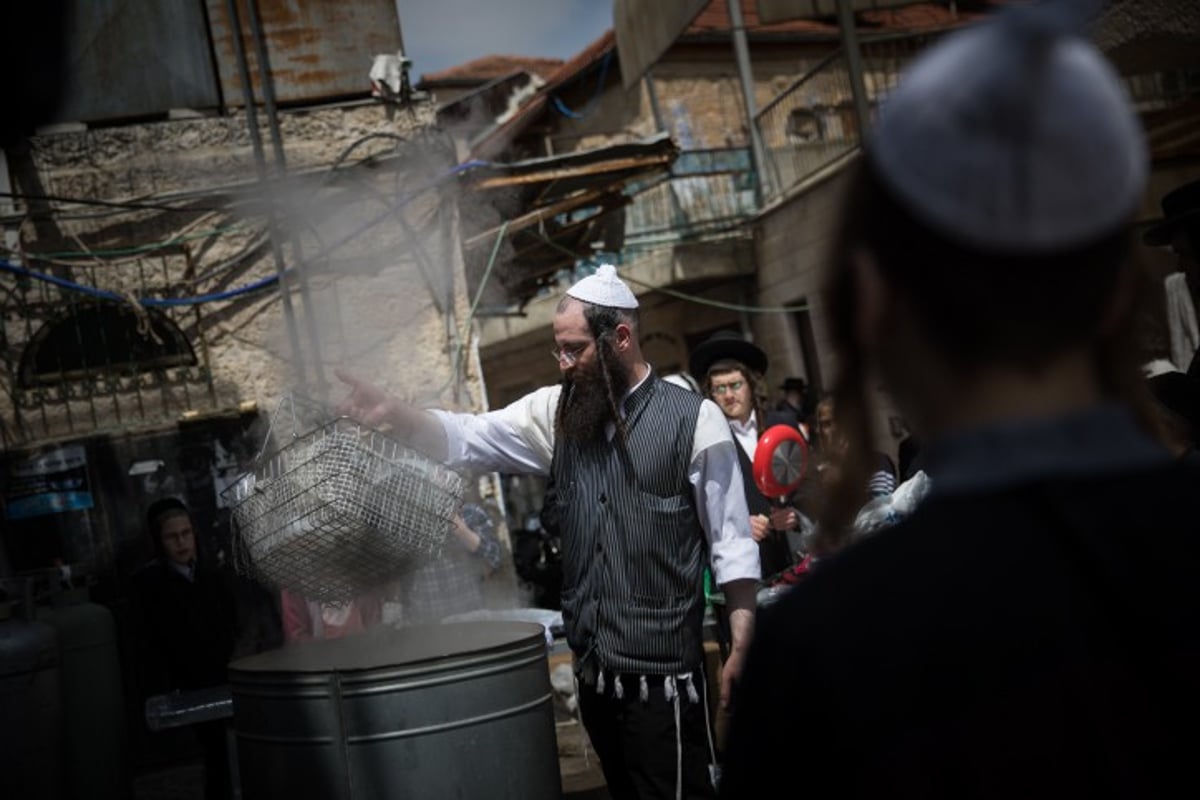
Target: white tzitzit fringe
point(600, 682)
point(643, 689)
point(669, 691)
point(714, 769)
point(691, 688)
point(618, 687)
point(678, 744)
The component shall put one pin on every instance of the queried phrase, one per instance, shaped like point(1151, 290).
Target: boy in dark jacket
point(190, 618)
point(1033, 629)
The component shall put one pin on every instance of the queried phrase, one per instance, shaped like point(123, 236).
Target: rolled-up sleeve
point(518, 438)
point(716, 479)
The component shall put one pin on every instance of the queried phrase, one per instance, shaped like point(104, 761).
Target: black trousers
point(640, 747)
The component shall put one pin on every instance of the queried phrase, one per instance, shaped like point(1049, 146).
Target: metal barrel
point(460, 710)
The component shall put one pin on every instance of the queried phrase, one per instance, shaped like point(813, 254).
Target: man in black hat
point(730, 370)
point(795, 401)
point(1179, 229)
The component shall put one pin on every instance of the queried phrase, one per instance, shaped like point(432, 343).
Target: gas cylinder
point(92, 696)
point(30, 706)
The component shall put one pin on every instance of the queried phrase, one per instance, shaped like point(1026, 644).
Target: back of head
point(995, 198)
point(999, 185)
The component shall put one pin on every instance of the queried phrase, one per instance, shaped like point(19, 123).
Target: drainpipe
point(260, 164)
point(854, 65)
point(741, 51)
point(267, 83)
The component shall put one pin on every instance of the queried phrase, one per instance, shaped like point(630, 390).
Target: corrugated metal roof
point(318, 50)
point(481, 70)
point(132, 58)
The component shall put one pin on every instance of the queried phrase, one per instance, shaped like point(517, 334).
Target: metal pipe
point(854, 65)
point(267, 84)
point(741, 51)
point(260, 163)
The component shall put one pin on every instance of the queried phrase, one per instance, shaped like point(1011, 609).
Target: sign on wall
point(50, 482)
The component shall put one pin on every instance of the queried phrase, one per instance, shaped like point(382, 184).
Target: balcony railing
point(709, 192)
point(812, 123)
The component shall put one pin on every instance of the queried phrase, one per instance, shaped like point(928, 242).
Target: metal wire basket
point(339, 510)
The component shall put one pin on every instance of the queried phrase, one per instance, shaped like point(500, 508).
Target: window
point(808, 349)
point(805, 126)
point(103, 338)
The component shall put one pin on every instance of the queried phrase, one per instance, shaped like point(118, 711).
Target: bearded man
point(646, 487)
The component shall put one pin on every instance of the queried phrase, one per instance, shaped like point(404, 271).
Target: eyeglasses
point(722, 388)
point(570, 354)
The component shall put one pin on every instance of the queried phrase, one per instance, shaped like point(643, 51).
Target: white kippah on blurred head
point(1014, 135)
point(604, 288)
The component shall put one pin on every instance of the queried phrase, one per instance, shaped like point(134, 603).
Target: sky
point(443, 33)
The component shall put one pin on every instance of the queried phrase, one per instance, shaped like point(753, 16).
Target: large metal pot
point(458, 710)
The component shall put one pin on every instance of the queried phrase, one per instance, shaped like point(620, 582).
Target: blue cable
point(590, 105)
point(152, 302)
point(259, 285)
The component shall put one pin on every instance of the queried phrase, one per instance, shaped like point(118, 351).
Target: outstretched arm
point(372, 406)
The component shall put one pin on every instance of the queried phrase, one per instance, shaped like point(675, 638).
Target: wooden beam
point(538, 214)
point(598, 168)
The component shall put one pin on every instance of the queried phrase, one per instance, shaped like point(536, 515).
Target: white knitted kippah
point(1014, 135)
point(604, 288)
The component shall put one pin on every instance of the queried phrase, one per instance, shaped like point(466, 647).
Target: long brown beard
point(591, 399)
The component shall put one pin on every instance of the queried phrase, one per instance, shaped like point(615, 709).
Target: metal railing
point(1157, 91)
point(812, 123)
point(709, 192)
point(73, 365)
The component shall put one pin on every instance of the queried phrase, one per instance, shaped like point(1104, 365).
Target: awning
point(558, 209)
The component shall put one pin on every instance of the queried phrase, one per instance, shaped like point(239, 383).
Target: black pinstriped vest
point(633, 548)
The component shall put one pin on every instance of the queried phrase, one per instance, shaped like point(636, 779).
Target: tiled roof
point(715, 19)
point(482, 70)
point(578, 63)
point(582, 60)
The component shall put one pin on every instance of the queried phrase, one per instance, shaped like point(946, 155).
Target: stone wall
point(386, 300)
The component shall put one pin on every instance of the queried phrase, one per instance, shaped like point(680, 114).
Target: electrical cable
point(123, 204)
point(690, 298)
point(588, 107)
point(337, 162)
point(150, 302)
point(456, 363)
point(134, 250)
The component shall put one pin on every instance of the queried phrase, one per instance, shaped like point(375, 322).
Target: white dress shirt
point(746, 434)
point(520, 439)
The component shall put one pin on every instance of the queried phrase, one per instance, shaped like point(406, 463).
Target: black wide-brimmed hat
point(1180, 206)
point(724, 345)
point(794, 385)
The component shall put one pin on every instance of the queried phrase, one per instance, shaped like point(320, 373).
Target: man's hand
point(366, 403)
point(372, 406)
point(760, 526)
point(783, 519)
point(469, 538)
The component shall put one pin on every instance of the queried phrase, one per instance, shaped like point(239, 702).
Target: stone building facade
point(366, 223)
